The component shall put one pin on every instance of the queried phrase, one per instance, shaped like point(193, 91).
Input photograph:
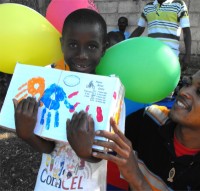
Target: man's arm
point(187, 41)
point(25, 121)
point(124, 158)
point(137, 32)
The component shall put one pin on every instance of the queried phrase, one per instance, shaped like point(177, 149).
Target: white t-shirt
point(64, 170)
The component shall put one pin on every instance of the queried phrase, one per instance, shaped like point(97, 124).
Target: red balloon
point(58, 10)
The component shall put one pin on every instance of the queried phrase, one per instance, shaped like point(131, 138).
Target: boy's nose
point(83, 54)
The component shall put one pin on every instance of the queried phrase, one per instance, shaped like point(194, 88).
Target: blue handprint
point(51, 99)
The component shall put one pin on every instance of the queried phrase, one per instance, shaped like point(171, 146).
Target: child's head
point(122, 23)
point(83, 40)
point(114, 37)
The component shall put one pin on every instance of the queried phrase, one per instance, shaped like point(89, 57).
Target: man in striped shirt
point(164, 20)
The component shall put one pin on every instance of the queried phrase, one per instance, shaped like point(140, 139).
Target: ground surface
point(19, 163)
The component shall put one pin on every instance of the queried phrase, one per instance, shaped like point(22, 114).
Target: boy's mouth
point(81, 66)
point(85, 68)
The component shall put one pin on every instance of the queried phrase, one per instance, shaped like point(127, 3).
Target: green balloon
point(147, 67)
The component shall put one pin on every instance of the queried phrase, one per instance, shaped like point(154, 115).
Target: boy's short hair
point(87, 16)
point(116, 35)
point(123, 19)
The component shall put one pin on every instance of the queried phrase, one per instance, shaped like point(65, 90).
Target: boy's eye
point(92, 46)
point(73, 45)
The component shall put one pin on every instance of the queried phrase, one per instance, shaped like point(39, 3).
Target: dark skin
point(80, 134)
point(185, 112)
point(161, 1)
point(25, 121)
point(83, 47)
point(187, 41)
point(137, 32)
point(122, 24)
point(81, 124)
point(125, 159)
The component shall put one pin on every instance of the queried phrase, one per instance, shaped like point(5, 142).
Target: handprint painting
point(33, 87)
point(51, 100)
point(60, 94)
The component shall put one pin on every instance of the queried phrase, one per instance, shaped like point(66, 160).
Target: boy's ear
point(105, 46)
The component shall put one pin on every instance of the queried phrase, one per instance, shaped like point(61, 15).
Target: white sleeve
point(142, 22)
point(184, 22)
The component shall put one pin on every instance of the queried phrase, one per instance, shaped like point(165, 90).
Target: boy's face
point(186, 110)
point(122, 23)
point(83, 47)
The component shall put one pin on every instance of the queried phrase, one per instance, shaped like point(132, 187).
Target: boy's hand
point(25, 117)
point(80, 134)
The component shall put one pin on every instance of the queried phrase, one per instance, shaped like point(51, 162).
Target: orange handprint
point(35, 86)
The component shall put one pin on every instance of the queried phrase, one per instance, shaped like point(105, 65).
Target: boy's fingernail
point(97, 132)
point(94, 153)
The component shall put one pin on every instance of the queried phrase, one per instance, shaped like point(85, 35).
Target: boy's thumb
point(15, 103)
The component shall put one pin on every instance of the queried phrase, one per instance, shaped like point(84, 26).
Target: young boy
point(114, 38)
point(83, 44)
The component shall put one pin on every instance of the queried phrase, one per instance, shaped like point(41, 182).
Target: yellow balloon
point(26, 37)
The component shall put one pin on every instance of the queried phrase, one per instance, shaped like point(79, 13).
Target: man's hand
point(80, 134)
point(25, 117)
point(124, 158)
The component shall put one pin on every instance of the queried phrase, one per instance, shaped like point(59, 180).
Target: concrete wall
point(113, 9)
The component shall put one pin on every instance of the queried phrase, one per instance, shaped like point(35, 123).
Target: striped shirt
point(165, 21)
